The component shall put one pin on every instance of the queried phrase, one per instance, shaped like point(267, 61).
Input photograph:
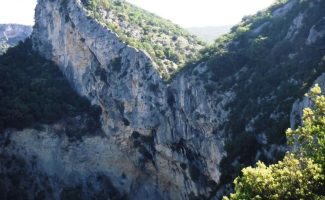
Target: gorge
point(178, 119)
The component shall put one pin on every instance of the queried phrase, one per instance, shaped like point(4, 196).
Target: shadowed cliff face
point(162, 140)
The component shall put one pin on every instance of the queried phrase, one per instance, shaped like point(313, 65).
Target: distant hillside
point(209, 33)
point(11, 34)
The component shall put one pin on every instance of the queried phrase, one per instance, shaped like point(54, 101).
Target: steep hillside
point(169, 45)
point(268, 60)
point(11, 34)
point(183, 139)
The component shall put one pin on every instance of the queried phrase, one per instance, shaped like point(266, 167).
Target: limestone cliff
point(163, 134)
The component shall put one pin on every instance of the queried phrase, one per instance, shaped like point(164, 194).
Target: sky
point(186, 13)
point(17, 11)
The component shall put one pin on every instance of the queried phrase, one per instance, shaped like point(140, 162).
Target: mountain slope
point(269, 60)
point(169, 45)
point(185, 139)
point(11, 34)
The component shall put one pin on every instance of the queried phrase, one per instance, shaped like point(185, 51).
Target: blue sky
point(186, 13)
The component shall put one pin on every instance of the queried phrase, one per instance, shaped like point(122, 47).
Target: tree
point(292, 178)
point(309, 140)
point(301, 173)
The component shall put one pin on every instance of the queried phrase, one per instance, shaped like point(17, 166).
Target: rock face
point(160, 137)
point(11, 34)
point(162, 140)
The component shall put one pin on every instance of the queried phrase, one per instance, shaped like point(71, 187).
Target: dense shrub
point(301, 173)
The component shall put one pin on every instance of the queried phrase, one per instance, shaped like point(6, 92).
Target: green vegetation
point(309, 139)
point(292, 178)
point(34, 91)
point(267, 70)
point(168, 44)
point(301, 173)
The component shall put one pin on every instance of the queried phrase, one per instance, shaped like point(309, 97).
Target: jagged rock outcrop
point(11, 34)
point(162, 140)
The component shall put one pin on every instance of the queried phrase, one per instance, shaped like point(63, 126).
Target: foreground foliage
point(301, 173)
point(34, 91)
point(309, 139)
